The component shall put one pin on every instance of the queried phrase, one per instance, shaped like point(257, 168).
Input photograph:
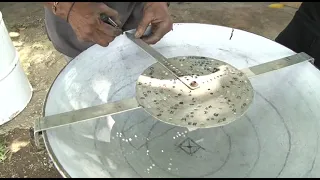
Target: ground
point(42, 63)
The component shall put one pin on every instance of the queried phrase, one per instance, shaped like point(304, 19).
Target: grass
point(3, 151)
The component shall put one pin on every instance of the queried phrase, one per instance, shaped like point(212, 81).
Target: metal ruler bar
point(277, 64)
point(81, 115)
point(85, 114)
point(160, 58)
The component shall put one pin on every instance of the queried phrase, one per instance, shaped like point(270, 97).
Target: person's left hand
point(156, 14)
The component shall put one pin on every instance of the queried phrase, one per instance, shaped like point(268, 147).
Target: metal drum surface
point(277, 137)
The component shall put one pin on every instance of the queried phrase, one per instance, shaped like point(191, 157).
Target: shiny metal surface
point(277, 137)
point(225, 93)
point(108, 20)
point(175, 71)
point(156, 86)
point(171, 102)
point(85, 114)
point(76, 116)
point(277, 64)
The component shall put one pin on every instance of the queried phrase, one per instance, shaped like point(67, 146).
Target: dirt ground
point(42, 64)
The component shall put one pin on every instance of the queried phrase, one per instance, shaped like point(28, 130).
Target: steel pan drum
point(277, 137)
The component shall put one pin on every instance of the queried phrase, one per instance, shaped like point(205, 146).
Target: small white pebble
point(14, 34)
point(162, 151)
point(126, 140)
point(150, 167)
point(170, 164)
point(186, 132)
point(153, 165)
point(123, 139)
point(130, 139)
point(147, 150)
point(174, 137)
point(169, 169)
point(135, 136)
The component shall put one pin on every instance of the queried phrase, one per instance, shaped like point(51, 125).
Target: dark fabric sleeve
point(303, 32)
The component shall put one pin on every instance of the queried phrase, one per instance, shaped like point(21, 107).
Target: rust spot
point(193, 84)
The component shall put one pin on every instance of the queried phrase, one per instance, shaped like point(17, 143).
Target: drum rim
point(51, 154)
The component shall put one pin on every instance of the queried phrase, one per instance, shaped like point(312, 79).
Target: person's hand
point(156, 14)
point(84, 19)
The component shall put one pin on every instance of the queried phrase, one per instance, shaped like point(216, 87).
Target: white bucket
point(7, 49)
point(15, 91)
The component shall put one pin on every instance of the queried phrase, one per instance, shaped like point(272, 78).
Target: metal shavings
point(224, 95)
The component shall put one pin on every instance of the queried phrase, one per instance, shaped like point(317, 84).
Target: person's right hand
point(84, 19)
